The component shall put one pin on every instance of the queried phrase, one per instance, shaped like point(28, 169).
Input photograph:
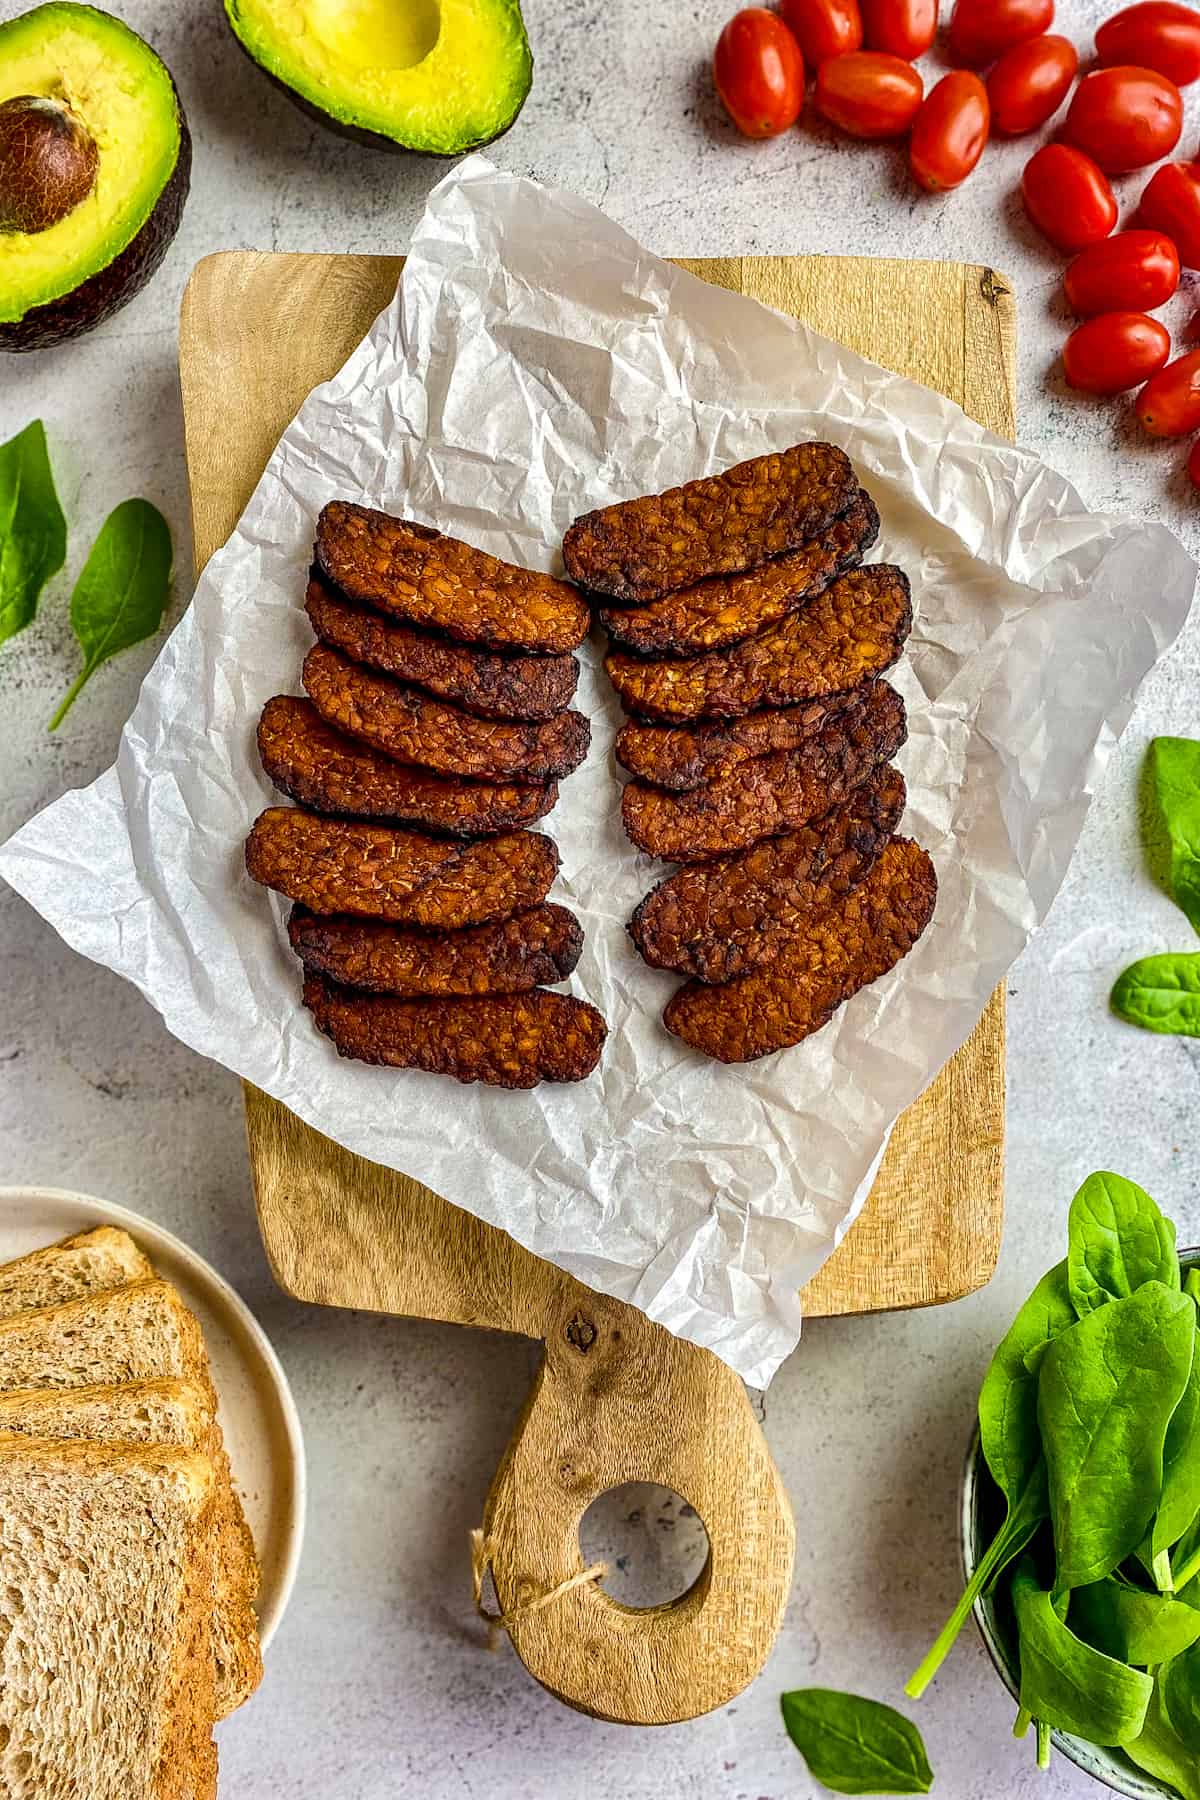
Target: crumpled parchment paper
point(537, 362)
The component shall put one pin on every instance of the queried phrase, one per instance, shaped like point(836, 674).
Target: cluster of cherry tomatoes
point(1126, 114)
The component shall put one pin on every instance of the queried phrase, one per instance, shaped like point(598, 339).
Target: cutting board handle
point(619, 1399)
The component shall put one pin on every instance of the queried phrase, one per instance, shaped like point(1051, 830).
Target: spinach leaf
point(856, 1746)
point(1159, 1750)
point(1106, 1393)
point(33, 531)
point(1180, 1685)
point(1179, 1502)
point(1191, 1284)
point(1117, 1239)
point(122, 591)
point(1065, 1682)
point(1175, 779)
point(1130, 1625)
point(1160, 993)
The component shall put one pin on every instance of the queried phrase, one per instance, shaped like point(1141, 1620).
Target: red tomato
point(1193, 464)
point(759, 73)
point(1068, 197)
point(1029, 84)
point(1171, 203)
point(1169, 405)
point(901, 27)
point(1124, 118)
point(1157, 35)
point(1135, 269)
point(823, 28)
point(1115, 352)
point(949, 132)
point(981, 29)
point(868, 94)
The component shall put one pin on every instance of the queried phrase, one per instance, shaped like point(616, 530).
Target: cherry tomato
point(1115, 351)
point(1193, 464)
point(1169, 404)
point(868, 94)
point(823, 28)
point(900, 27)
point(1157, 35)
point(980, 30)
point(949, 132)
point(1135, 269)
point(1029, 84)
point(1124, 118)
point(1068, 197)
point(759, 73)
point(1171, 203)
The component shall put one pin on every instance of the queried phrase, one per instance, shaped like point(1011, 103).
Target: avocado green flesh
point(123, 94)
point(441, 76)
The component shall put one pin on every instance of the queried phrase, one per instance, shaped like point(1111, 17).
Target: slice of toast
point(143, 1332)
point(86, 1264)
point(106, 1573)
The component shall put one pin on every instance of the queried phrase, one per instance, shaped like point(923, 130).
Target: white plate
point(258, 1415)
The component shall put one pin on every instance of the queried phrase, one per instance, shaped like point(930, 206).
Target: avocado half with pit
point(439, 76)
point(95, 160)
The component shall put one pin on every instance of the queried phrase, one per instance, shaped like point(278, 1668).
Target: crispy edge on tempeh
point(531, 949)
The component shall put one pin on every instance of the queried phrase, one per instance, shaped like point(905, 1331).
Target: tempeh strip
point(770, 795)
point(839, 950)
point(507, 1040)
point(445, 585)
point(852, 631)
point(413, 727)
point(680, 757)
point(718, 919)
point(316, 765)
point(713, 614)
point(510, 956)
point(495, 687)
point(341, 866)
point(642, 549)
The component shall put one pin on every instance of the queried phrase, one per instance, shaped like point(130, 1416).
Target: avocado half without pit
point(95, 159)
point(439, 76)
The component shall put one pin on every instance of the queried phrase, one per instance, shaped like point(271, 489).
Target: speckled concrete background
point(377, 1688)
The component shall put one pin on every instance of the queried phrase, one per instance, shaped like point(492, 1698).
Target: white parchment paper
point(535, 363)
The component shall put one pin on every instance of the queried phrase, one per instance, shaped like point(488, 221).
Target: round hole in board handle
point(655, 1544)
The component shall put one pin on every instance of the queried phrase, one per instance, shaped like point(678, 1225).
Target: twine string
point(483, 1553)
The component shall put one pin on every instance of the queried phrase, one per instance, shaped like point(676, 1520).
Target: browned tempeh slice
point(413, 727)
point(642, 549)
point(510, 956)
point(717, 919)
point(313, 763)
point(852, 631)
point(445, 585)
point(495, 687)
point(685, 756)
point(727, 608)
point(507, 1040)
point(343, 866)
point(839, 950)
point(771, 794)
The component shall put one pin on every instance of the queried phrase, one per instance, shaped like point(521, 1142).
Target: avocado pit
point(48, 162)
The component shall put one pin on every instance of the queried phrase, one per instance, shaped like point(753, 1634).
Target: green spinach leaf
point(856, 1746)
point(1179, 1502)
point(33, 531)
point(1117, 1239)
point(1065, 1682)
point(1159, 1750)
point(1180, 1684)
point(122, 591)
point(1107, 1390)
point(1130, 1625)
point(1161, 993)
point(1191, 1284)
point(1175, 779)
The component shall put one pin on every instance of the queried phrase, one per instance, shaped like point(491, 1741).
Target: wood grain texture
point(618, 1398)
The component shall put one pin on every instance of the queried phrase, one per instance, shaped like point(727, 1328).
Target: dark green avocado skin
point(357, 134)
point(109, 289)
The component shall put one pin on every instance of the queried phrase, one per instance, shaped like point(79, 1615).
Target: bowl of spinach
point(1081, 1504)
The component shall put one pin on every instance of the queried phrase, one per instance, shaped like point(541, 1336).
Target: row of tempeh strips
point(435, 729)
point(749, 646)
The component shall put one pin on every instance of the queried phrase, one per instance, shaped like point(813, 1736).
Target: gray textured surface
point(377, 1685)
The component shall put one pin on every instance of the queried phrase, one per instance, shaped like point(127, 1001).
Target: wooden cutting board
point(618, 1398)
